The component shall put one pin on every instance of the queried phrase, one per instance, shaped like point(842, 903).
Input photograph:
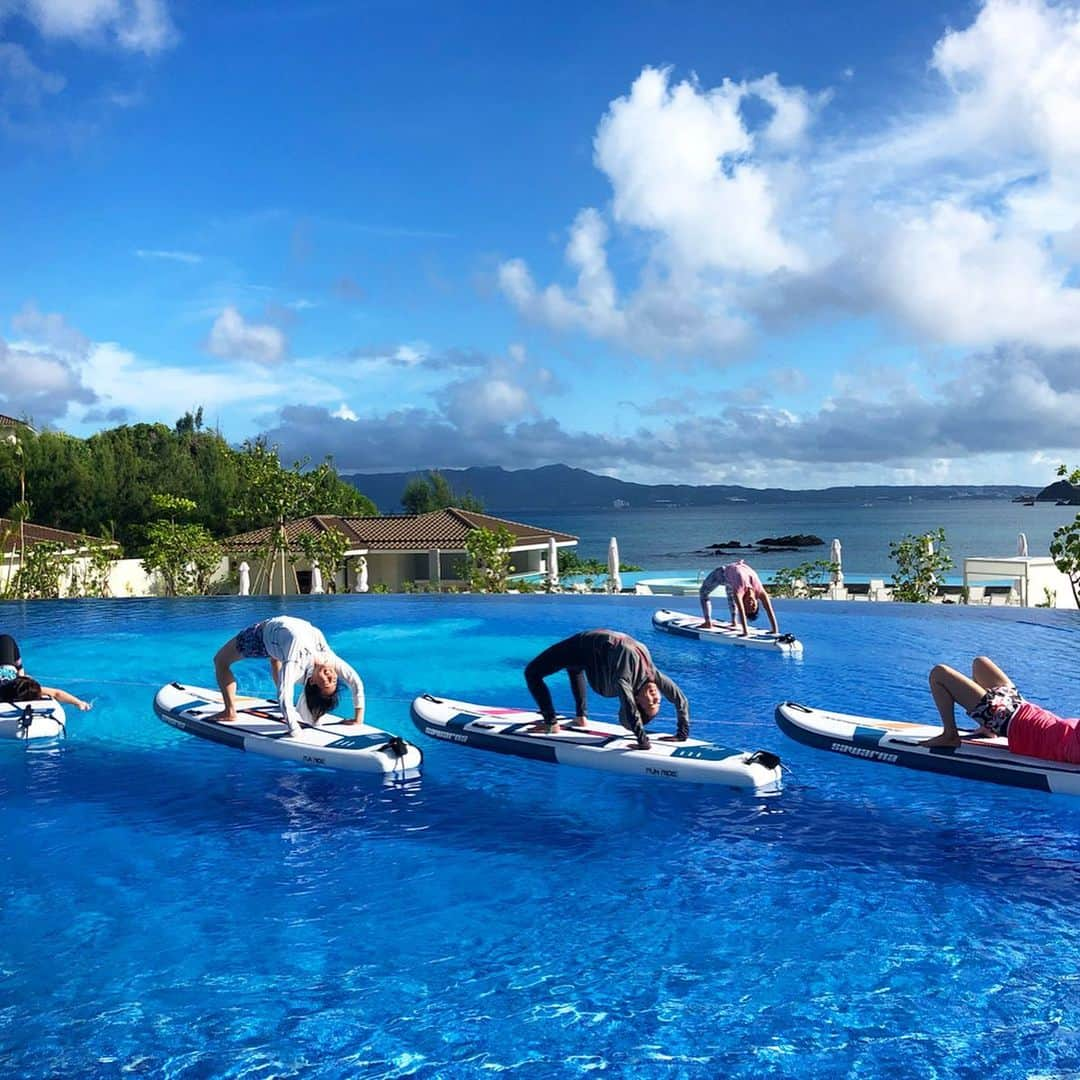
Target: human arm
point(356, 687)
point(739, 614)
point(66, 698)
point(766, 602)
point(291, 672)
point(630, 714)
point(670, 690)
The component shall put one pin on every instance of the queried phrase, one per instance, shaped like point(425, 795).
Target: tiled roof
point(10, 421)
point(445, 529)
point(35, 534)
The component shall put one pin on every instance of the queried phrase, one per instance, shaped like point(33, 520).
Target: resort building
point(17, 539)
point(427, 550)
point(10, 428)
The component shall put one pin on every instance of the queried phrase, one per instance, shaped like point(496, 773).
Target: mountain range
point(563, 487)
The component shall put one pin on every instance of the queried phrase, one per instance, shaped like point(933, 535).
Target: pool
point(175, 908)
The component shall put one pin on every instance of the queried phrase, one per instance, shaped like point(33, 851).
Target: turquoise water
point(176, 908)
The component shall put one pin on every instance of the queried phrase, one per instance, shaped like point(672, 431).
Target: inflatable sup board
point(682, 625)
point(42, 719)
point(608, 747)
point(261, 729)
point(893, 742)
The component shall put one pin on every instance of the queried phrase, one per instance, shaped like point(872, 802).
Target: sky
point(670, 241)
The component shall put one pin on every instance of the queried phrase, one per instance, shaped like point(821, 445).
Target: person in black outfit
point(614, 665)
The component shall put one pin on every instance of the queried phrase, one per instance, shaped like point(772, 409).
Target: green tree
point(433, 492)
point(921, 562)
point(488, 559)
point(800, 581)
point(327, 549)
point(183, 553)
point(1065, 542)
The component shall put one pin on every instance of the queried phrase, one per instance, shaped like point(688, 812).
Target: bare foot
point(223, 717)
point(543, 728)
point(941, 740)
point(578, 722)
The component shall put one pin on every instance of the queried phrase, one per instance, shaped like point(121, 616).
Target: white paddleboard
point(42, 719)
point(896, 742)
point(692, 626)
point(609, 747)
point(261, 729)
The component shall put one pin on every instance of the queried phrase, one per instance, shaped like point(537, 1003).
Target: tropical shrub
point(1065, 542)
point(921, 562)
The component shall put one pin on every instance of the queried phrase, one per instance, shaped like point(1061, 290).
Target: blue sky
point(805, 245)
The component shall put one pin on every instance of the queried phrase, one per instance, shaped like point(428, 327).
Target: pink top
point(1035, 732)
point(739, 578)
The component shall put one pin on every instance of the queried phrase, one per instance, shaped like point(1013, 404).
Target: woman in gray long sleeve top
point(614, 665)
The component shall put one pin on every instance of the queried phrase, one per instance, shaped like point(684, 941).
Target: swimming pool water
point(177, 908)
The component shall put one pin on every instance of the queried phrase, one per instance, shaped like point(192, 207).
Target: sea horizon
point(678, 537)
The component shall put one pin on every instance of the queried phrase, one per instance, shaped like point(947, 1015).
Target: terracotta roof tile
point(35, 534)
point(445, 529)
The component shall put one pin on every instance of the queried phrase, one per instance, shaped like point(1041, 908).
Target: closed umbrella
point(1021, 546)
point(835, 553)
point(245, 579)
point(553, 563)
point(361, 577)
point(614, 581)
point(316, 579)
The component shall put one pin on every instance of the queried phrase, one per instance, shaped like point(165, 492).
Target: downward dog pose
point(298, 653)
point(744, 592)
point(614, 665)
point(16, 685)
point(991, 699)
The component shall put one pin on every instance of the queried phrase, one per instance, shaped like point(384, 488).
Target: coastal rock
point(800, 540)
point(731, 545)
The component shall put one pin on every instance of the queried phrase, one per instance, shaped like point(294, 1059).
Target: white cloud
point(169, 256)
point(956, 223)
point(22, 83)
point(40, 384)
point(343, 412)
point(136, 25)
point(232, 338)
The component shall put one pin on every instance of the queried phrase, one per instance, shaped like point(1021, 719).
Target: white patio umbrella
point(316, 580)
point(361, 577)
point(245, 579)
point(553, 563)
point(835, 553)
point(614, 581)
point(1021, 546)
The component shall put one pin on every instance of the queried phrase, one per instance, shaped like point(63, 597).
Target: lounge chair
point(976, 594)
point(876, 590)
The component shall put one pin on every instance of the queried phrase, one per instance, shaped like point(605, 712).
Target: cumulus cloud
point(956, 224)
point(40, 384)
point(233, 338)
point(969, 415)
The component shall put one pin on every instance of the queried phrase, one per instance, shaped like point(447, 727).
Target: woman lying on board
point(991, 699)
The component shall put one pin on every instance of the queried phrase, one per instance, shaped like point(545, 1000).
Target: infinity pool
point(176, 908)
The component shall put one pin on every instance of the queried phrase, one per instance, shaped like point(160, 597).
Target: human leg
point(950, 688)
point(553, 659)
point(987, 674)
point(224, 659)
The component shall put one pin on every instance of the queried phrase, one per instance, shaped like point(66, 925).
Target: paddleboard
point(895, 742)
point(608, 747)
point(682, 625)
point(261, 729)
point(42, 719)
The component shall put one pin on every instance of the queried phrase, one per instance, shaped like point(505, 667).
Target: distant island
point(560, 487)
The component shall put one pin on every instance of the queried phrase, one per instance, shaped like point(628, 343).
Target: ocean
point(676, 538)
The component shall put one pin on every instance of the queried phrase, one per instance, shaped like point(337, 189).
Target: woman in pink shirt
point(744, 593)
point(991, 699)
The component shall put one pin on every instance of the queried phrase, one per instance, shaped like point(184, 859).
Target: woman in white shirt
point(298, 653)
